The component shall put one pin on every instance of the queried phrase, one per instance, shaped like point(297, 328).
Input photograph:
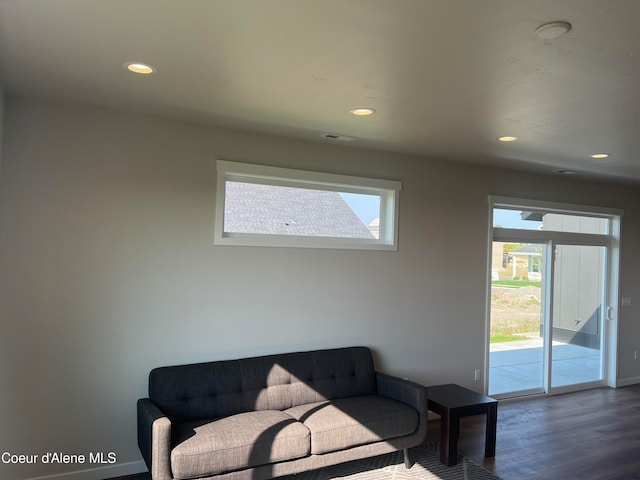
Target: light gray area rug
point(426, 466)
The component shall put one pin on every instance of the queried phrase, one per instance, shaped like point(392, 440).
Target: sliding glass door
point(577, 314)
point(517, 318)
point(550, 284)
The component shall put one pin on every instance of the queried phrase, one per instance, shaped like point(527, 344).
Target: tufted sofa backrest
point(276, 382)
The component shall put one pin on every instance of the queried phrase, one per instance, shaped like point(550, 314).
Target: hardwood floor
point(590, 435)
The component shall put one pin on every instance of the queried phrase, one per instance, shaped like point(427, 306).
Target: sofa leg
point(407, 459)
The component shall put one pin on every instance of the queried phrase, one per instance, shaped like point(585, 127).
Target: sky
point(512, 219)
point(366, 207)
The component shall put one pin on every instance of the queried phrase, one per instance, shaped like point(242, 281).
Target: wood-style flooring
point(589, 435)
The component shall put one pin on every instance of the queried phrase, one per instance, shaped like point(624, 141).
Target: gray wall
point(1, 124)
point(108, 269)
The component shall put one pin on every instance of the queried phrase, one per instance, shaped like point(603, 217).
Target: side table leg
point(491, 429)
point(449, 432)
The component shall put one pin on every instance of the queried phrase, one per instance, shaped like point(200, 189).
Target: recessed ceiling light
point(141, 68)
point(508, 138)
point(600, 155)
point(552, 30)
point(363, 112)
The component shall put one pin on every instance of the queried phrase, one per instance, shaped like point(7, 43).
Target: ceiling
point(446, 77)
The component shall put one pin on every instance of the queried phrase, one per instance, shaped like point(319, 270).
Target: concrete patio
point(517, 366)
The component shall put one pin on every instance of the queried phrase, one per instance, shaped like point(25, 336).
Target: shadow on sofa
point(264, 417)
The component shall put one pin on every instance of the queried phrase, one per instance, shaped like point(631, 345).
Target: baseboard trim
point(99, 473)
point(625, 382)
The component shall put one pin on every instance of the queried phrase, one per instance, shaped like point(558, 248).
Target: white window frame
point(387, 190)
point(610, 240)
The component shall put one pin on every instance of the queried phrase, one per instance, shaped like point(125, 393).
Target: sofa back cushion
point(275, 382)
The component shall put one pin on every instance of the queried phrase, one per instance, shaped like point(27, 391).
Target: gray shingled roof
point(252, 208)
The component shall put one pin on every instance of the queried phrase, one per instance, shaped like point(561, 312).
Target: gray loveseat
point(264, 417)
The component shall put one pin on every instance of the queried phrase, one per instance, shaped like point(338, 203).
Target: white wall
point(108, 269)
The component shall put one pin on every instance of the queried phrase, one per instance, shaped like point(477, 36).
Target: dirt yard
point(515, 310)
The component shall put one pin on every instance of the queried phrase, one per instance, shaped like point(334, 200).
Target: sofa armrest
point(154, 439)
point(404, 391)
point(410, 393)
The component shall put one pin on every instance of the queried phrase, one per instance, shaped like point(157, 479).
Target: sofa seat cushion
point(349, 422)
point(240, 441)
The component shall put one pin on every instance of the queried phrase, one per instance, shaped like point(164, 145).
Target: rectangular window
point(550, 221)
point(268, 206)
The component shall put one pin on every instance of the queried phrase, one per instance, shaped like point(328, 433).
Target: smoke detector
point(551, 30)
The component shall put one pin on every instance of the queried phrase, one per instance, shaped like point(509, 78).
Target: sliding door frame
point(551, 239)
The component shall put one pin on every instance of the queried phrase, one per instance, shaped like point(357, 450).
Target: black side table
point(452, 402)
